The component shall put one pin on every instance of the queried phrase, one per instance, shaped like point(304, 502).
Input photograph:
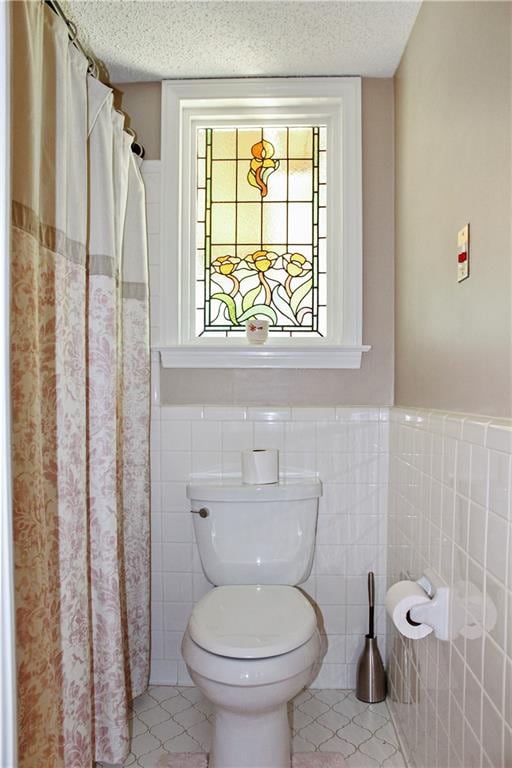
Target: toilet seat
point(251, 621)
point(248, 673)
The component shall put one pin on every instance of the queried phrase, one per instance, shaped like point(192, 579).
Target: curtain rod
point(93, 68)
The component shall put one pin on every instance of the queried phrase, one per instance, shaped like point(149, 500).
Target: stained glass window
point(261, 229)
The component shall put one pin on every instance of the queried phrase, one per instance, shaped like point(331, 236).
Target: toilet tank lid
point(232, 489)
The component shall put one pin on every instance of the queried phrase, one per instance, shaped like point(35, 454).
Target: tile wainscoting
point(450, 514)
point(346, 447)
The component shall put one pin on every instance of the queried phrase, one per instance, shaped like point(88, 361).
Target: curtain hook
point(93, 67)
point(136, 146)
point(138, 150)
point(73, 30)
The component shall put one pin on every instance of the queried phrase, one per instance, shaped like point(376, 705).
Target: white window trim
point(177, 347)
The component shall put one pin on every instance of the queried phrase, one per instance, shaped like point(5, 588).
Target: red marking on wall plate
point(463, 254)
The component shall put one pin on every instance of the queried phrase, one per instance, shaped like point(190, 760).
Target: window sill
point(266, 356)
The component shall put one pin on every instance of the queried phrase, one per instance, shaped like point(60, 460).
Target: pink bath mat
point(318, 760)
point(299, 760)
point(183, 760)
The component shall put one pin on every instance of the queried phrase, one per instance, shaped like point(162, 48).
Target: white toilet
point(252, 643)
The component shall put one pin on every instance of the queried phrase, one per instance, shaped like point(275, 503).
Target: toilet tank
point(256, 534)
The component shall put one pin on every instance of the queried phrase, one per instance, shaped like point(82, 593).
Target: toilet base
point(250, 696)
point(251, 741)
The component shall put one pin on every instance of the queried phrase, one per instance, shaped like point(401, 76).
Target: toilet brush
point(371, 675)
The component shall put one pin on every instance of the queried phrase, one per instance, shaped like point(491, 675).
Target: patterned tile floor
point(178, 719)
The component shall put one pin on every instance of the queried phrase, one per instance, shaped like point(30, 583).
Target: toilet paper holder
point(435, 613)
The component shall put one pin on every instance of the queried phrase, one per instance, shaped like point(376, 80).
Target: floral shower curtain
point(80, 404)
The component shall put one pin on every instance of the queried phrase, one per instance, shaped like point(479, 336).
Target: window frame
point(338, 99)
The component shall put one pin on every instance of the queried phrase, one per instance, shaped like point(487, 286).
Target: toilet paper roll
point(260, 467)
point(400, 598)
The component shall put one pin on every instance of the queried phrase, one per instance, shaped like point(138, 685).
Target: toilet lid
point(252, 622)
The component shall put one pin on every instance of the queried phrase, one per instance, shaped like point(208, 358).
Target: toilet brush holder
point(371, 675)
point(371, 686)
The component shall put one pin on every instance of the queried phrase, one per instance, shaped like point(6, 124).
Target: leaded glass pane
point(248, 223)
point(261, 229)
point(224, 180)
point(300, 142)
point(273, 224)
point(223, 217)
point(224, 143)
point(300, 175)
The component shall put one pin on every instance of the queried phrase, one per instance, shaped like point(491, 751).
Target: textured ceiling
point(164, 39)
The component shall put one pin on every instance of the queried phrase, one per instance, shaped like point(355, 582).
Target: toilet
point(252, 642)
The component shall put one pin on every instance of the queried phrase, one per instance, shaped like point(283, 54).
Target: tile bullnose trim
point(269, 413)
point(488, 431)
point(499, 435)
point(401, 415)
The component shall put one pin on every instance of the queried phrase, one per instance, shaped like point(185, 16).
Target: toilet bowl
point(250, 649)
point(252, 642)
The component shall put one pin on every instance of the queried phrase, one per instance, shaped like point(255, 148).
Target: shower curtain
point(80, 404)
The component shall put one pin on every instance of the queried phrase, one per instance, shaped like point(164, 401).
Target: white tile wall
point(450, 512)
point(346, 447)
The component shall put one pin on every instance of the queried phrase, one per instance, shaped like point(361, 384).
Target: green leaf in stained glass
point(250, 297)
point(281, 301)
point(229, 302)
point(258, 309)
point(299, 294)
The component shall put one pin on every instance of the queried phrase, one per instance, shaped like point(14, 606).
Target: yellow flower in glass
point(262, 261)
point(226, 265)
point(296, 265)
point(262, 165)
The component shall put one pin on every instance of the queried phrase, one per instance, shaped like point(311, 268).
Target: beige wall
point(373, 383)
point(453, 134)
point(141, 102)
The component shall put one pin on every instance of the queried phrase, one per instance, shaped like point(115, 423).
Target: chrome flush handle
point(203, 512)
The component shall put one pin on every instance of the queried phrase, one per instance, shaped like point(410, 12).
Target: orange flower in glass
point(226, 265)
point(261, 262)
point(262, 166)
